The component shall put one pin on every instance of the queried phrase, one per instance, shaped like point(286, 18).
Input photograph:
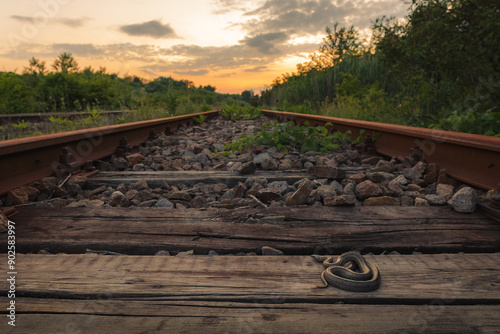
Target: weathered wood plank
point(299, 230)
point(189, 178)
point(130, 316)
point(406, 279)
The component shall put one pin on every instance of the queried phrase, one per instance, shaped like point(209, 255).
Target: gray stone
point(186, 253)
point(326, 191)
point(266, 250)
point(140, 185)
point(262, 181)
point(416, 171)
point(247, 168)
point(180, 195)
point(349, 189)
point(434, 199)
point(120, 163)
point(162, 253)
point(367, 189)
point(400, 180)
point(164, 203)
point(301, 196)
point(260, 158)
point(342, 200)
point(464, 200)
point(281, 185)
point(421, 202)
point(269, 194)
point(118, 199)
point(270, 164)
point(444, 190)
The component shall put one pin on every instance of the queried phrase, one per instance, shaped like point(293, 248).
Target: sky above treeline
point(233, 45)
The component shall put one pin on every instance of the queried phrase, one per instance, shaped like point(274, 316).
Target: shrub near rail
point(286, 136)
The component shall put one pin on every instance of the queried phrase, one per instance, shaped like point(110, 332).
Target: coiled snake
point(350, 272)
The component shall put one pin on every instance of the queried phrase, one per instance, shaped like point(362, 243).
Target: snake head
point(320, 258)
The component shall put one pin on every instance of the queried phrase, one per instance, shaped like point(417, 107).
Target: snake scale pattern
point(349, 272)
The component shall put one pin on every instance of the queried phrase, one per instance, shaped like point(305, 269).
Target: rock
point(326, 172)
point(147, 204)
point(326, 191)
point(162, 253)
point(421, 202)
point(383, 200)
point(4, 223)
point(164, 203)
point(281, 185)
point(349, 189)
point(444, 190)
point(358, 177)
point(199, 202)
point(371, 160)
point(134, 159)
point(270, 165)
point(239, 190)
point(367, 189)
point(269, 194)
point(384, 166)
point(122, 187)
point(434, 199)
point(266, 250)
point(140, 185)
point(227, 195)
point(139, 167)
point(406, 201)
point(332, 163)
point(377, 177)
point(180, 196)
point(443, 178)
point(186, 253)
point(285, 164)
point(120, 163)
point(400, 180)
point(118, 199)
point(131, 194)
point(416, 171)
point(97, 191)
point(177, 163)
point(342, 200)
point(17, 196)
point(301, 195)
point(80, 180)
point(431, 173)
point(247, 168)
point(260, 158)
point(213, 253)
point(464, 200)
point(85, 203)
point(262, 181)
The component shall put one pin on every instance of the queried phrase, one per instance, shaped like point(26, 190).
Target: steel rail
point(26, 160)
point(473, 159)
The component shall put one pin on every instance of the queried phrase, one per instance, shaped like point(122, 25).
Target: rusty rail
point(26, 160)
point(473, 159)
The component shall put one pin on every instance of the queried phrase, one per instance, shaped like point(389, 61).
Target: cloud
point(310, 17)
point(70, 22)
point(195, 72)
point(266, 43)
point(154, 29)
point(257, 69)
point(226, 6)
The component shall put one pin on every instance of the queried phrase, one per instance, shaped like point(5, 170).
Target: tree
point(65, 63)
point(36, 67)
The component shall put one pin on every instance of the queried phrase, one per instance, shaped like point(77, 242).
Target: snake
point(349, 272)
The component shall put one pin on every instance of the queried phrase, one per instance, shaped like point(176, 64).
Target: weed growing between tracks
point(287, 136)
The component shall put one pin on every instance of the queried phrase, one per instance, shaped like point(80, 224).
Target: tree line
point(439, 67)
point(67, 87)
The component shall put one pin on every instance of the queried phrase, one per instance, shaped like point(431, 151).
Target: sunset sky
point(233, 45)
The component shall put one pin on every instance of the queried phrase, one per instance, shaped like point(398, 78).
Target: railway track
point(188, 244)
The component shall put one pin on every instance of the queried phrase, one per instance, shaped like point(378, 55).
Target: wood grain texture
point(417, 279)
point(441, 293)
point(294, 230)
point(129, 316)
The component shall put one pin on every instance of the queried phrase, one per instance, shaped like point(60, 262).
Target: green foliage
point(234, 112)
point(70, 88)
point(487, 123)
point(20, 126)
point(286, 136)
point(200, 119)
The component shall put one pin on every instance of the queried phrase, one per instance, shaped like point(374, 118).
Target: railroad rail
point(217, 268)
